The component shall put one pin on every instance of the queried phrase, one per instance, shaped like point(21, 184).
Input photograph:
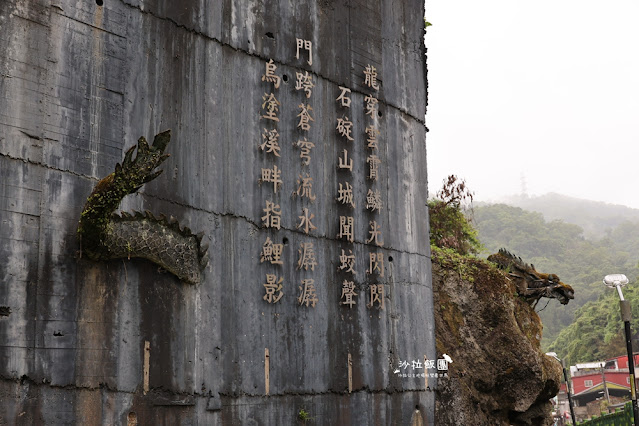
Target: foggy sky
point(544, 90)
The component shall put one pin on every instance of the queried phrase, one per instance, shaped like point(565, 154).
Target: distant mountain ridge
point(556, 246)
point(596, 218)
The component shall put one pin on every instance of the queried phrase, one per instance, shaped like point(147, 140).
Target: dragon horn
point(143, 145)
point(152, 176)
point(161, 140)
point(128, 155)
point(204, 258)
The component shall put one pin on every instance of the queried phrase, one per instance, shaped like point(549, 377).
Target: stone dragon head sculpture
point(531, 284)
point(105, 235)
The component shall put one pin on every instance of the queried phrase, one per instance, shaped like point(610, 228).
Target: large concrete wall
point(79, 83)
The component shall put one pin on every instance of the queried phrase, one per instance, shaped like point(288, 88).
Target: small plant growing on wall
point(304, 415)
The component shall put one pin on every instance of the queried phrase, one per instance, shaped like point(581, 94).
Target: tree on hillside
point(449, 226)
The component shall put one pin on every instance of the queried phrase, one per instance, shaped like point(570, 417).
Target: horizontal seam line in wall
point(208, 37)
point(178, 394)
point(89, 25)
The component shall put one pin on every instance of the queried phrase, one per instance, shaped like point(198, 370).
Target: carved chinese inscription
point(347, 262)
point(372, 134)
point(305, 221)
point(348, 293)
point(307, 293)
point(305, 188)
point(273, 176)
point(304, 82)
point(344, 162)
point(305, 153)
point(376, 295)
point(370, 77)
point(304, 45)
point(344, 127)
point(273, 288)
point(345, 194)
point(343, 98)
point(346, 230)
point(270, 142)
point(371, 106)
point(374, 200)
point(273, 216)
point(270, 76)
point(306, 257)
point(376, 264)
point(305, 117)
point(271, 252)
point(270, 106)
point(373, 166)
point(375, 234)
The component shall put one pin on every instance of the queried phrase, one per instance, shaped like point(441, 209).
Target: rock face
point(498, 376)
point(124, 342)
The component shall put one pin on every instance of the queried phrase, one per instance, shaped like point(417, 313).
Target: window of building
point(588, 383)
point(628, 380)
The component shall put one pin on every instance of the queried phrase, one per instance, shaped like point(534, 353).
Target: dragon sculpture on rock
point(105, 235)
point(532, 285)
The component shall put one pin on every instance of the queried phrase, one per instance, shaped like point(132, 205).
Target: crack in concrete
point(295, 231)
point(47, 166)
point(30, 136)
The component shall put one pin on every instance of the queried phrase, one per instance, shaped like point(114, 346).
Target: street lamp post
point(605, 386)
point(617, 281)
point(563, 367)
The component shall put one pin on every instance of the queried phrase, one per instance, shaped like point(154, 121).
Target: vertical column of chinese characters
point(345, 191)
point(269, 144)
point(306, 253)
point(345, 198)
point(373, 196)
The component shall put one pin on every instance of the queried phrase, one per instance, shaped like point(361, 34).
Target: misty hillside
point(597, 334)
point(594, 217)
point(555, 246)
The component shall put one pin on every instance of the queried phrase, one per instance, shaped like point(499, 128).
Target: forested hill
point(595, 217)
point(561, 248)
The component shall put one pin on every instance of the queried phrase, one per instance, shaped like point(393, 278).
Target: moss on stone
point(104, 235)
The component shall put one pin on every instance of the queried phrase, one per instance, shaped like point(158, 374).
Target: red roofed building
point(588, 379)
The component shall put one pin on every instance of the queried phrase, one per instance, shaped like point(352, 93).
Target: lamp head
point(615, 280)
point(554, 355)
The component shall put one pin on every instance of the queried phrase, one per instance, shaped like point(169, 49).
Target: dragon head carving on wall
point(105, 235)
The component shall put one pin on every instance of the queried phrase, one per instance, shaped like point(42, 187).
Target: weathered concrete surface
point(79, 83)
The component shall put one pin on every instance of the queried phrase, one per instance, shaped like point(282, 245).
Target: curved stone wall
point(125, 342)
